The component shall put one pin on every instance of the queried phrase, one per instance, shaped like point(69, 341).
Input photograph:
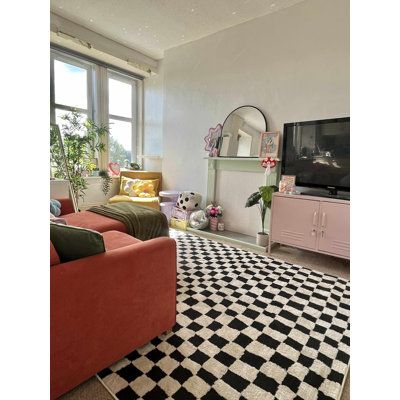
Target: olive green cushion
point(72, 242)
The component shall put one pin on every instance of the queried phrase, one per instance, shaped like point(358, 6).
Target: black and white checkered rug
point(248, 327)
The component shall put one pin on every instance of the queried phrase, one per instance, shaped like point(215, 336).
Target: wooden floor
point(93, 389)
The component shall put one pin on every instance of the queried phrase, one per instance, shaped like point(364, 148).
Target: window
point(122, 110)
point(71, 87)
point(77, 84)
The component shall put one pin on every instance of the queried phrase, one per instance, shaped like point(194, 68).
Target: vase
point(213, 223)
point(262, 239)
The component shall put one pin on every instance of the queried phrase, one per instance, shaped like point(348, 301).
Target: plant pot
point(213, 223)
point(262, 239)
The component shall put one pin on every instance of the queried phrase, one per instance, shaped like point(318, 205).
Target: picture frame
point(213, 140)
point(287, 183)
point(269, 145)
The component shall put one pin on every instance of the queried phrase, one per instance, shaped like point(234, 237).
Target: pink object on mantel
point(318, 224)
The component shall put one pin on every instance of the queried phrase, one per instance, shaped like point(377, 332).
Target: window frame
point(98, 99)
point(89, 67)
point(133, 120)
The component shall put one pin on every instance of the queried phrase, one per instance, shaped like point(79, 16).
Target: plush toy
point(55, 207)
point(188, 201)
point(198, 220)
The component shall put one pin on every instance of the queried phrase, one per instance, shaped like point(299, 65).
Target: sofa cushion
point(114, 240)
point(97, 222)
point(72, 242)
point(152, 202)
point(54, 259)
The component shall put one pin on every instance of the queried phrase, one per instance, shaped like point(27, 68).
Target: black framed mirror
point(240, 135)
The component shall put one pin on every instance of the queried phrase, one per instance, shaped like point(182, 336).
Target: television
point(318, 154)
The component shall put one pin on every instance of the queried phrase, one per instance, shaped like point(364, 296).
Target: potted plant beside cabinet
point(263, 199)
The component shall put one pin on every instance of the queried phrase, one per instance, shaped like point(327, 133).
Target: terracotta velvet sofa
point(103, 307)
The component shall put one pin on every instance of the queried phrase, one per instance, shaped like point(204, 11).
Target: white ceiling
point(153, 26)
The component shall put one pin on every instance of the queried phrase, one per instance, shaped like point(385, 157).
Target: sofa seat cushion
point(96, 222)
point(54, 258)
point(114, 240)
point(152, 202)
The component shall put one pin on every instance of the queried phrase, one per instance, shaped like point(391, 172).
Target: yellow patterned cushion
point(138, 187)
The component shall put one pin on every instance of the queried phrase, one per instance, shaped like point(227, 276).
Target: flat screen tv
point(318, 153)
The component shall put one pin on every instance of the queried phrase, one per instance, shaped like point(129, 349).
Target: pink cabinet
point(313, 223)
point(334, 229)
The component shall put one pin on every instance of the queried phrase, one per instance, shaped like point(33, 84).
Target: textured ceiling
point(152, 26)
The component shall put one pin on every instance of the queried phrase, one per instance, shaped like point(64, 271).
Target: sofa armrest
point(105, 306)
point(67, 206)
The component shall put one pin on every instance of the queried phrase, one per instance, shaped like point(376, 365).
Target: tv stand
point(329, 195)
point(319, 224)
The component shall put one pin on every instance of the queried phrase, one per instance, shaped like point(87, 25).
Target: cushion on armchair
point(138, 187)
point(152, 202)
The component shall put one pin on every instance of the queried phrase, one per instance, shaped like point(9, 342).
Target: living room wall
point(293, 64)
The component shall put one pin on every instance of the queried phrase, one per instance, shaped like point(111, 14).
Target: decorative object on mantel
point(198, 220)
point(287, 184)
point(269, 145)
point(114, 168)
point(240, 135)
point(73, 150)
point(212, 141)
point(221, 226)
point(268, 163)
point(213, 213)
point(263, 198)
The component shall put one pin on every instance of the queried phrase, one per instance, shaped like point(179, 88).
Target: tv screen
point(318, 153)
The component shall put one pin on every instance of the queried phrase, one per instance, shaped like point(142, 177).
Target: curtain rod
point(94, 60)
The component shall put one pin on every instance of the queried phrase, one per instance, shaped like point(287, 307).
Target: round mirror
point(240, 136)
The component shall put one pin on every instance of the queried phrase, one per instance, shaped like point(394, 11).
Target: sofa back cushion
point(54, 259)
point(72, 242)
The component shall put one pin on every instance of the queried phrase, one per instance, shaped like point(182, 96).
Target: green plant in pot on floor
point(262, 198)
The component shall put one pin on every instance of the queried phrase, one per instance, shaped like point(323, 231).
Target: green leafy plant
point(106, 181)
point(82, 141)
point(262, 198)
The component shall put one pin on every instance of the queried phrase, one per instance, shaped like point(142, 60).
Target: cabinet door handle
point(323, 222)
point(315, 218)
point(313, 232)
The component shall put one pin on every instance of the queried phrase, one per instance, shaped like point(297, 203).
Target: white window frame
point(134, 111)
point(55, 55)
point(98, 100)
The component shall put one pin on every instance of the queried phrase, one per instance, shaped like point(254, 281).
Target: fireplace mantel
point(243, 164)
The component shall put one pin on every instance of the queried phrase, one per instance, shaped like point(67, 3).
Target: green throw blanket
point(141, 222)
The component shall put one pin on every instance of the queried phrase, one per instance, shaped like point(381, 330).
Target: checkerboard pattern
point(248, 327)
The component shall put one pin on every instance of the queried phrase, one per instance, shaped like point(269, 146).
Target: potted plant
point(82, 142)
point(213, 213)
point(263, 198)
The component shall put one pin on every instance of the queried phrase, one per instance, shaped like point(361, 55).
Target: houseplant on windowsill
point(263, 199)
point(82, 142)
